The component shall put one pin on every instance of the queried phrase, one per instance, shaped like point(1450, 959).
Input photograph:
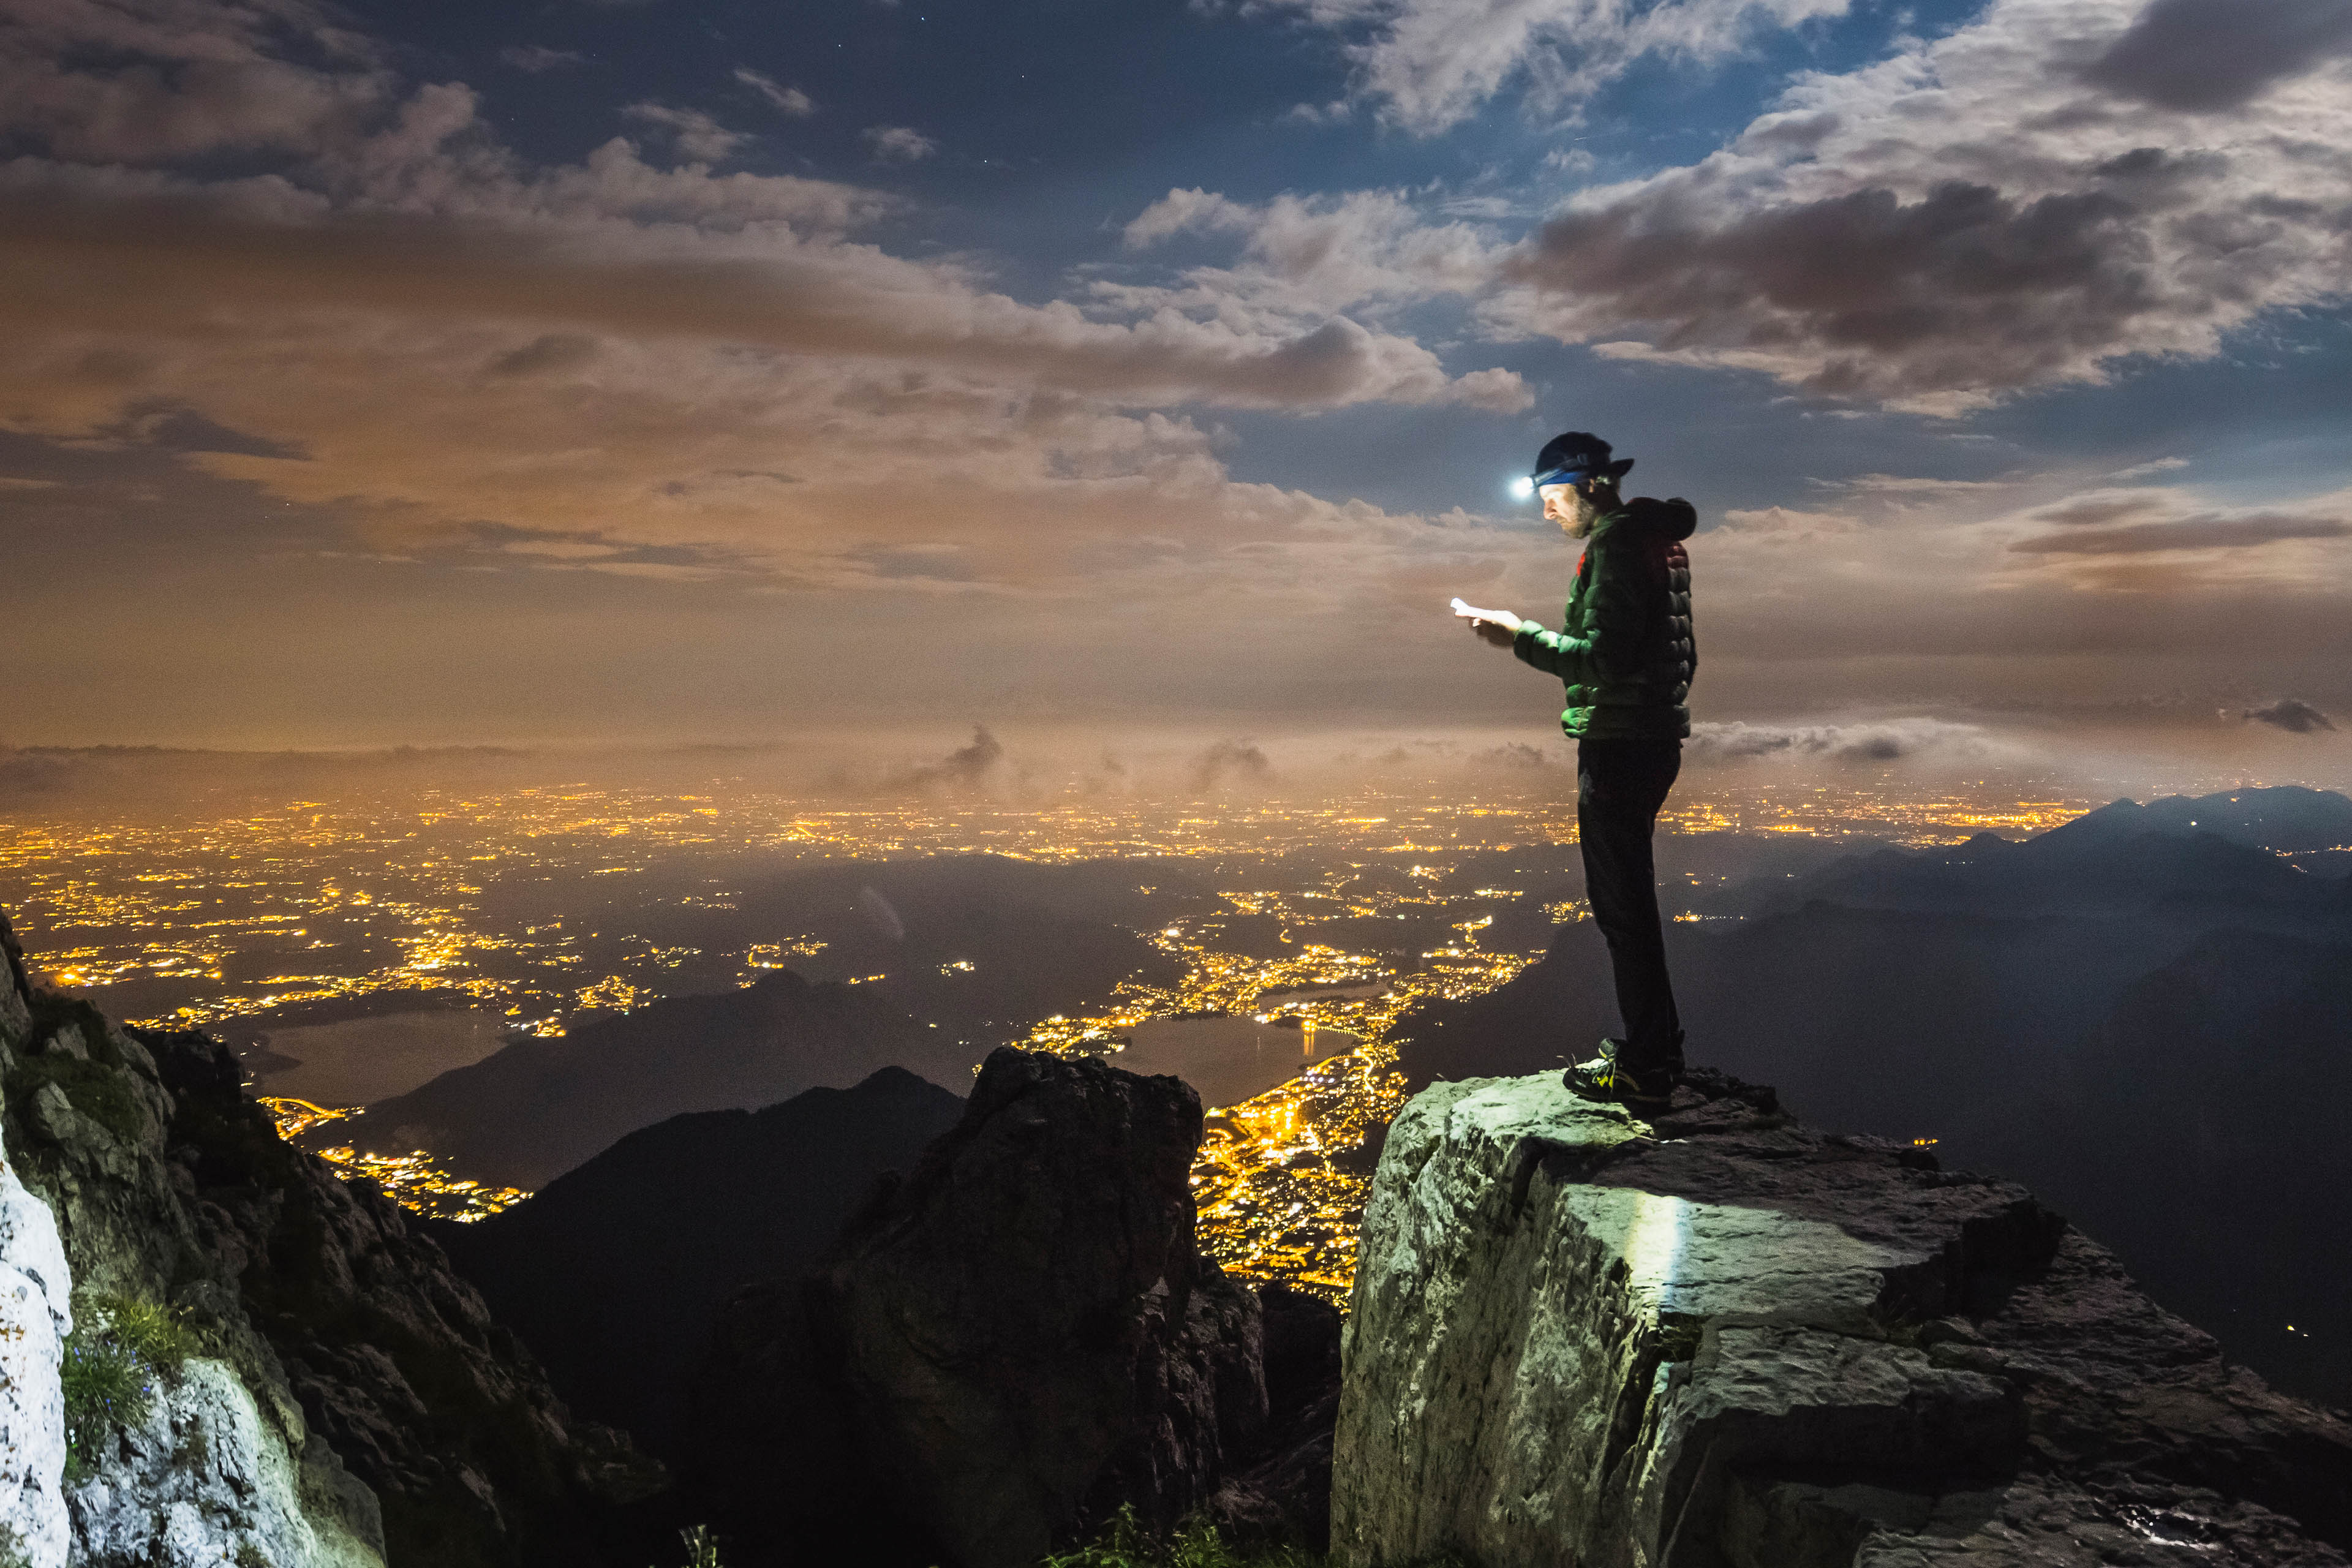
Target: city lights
point(231, 917)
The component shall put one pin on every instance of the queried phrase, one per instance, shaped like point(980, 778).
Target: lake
point(358, 1060)
point(1229, 1060)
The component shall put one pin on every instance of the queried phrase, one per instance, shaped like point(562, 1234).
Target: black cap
point(1576, 455)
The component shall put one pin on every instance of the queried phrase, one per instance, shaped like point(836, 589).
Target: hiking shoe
point(1606, 1078)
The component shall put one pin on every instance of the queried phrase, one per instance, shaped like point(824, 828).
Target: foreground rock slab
point(1721, 1340)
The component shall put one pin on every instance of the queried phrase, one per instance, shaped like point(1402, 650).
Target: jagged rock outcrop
point(1002, 1346)
point(1722, 1339)
point(348, 1402)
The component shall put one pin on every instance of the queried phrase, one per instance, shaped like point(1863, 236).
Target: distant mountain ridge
point(537, 1108)
point(2284, 818)
point(2257, 856)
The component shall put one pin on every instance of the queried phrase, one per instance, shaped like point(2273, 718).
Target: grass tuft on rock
point(100, 1092)
point(701, 1547)
point(1127, 1544)
point(121, 1348)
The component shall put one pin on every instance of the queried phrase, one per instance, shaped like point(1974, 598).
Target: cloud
point(1786, 524)
point(2291, 714)
point(789, 100)
point(1304, 254)
point(965, 768)
point(2204, 55)
point(2141, 470)
point(1228, 759)
point(1429, 65)
point(1966, 219)
point(537, 57)
point(694, 134)
point(2240, 532)
point(550, 353)
point(2095, 525)
point(1911, 484)
point(1881, 740)
point(899, 143)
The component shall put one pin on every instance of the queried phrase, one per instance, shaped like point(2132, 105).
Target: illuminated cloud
point(899, 143)
point(783, 100)
point(695, 134)
point(1428, 65)
point(1980, 214)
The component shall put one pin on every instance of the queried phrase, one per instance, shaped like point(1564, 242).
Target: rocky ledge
point(1721, 1338)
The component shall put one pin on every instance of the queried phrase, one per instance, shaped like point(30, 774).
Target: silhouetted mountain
point(982, 945)
point(2199, 1129)
point(2015, 1000)
point(2103, 870)
point(1890, 1021)
point(2285, 819)
point(615, 1272)
point(537, 1108)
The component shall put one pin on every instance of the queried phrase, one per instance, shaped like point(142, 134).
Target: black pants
point(1620, 785)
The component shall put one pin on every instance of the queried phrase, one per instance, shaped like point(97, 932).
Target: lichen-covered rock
point(206, 1479)
point(1720, 1338)
point(36, 1316)
point(1003, 1346)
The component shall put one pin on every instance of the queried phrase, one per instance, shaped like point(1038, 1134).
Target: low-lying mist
point(1047, 765)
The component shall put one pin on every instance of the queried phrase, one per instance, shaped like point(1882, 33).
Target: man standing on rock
point(1626, 651)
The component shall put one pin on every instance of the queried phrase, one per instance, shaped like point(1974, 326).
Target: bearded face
point(1575, 511)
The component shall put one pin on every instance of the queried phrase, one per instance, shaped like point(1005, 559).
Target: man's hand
point(1496, 626)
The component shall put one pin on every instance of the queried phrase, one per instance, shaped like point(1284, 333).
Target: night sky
point(438, 373)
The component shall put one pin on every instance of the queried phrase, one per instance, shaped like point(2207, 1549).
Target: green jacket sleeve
point(1554, 653)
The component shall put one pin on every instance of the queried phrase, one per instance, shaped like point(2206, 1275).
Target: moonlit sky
point(435, 372)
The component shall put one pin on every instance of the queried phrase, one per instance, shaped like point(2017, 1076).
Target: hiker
point(1626, 652)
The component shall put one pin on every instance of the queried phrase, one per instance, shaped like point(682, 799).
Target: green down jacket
point(1625, 647)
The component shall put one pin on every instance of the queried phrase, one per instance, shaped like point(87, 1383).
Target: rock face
point(36, 1316)
point(1004, 1345)
point(204, 1475)
point(1720, 1338)
point(348, 1402)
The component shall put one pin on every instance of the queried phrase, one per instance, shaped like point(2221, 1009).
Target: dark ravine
point(1722, 1340)
point(416, 1430)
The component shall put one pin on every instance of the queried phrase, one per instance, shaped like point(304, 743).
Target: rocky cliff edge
point(1722, 1340)
point(316, 1387)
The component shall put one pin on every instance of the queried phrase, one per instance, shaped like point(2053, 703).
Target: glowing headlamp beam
point(1523, 486)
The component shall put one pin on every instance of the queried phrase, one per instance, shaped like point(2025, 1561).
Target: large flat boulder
point(1721, 1340)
